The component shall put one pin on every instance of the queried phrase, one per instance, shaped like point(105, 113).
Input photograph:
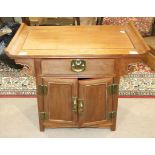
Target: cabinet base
point(56, 125)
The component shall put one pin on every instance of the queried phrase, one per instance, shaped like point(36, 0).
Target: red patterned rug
point(139, 82)
point(15, 82)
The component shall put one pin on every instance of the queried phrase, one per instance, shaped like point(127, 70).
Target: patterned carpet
point(141, 82)
point(15, 82)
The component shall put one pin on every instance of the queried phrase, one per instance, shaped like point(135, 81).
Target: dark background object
point(5, 40)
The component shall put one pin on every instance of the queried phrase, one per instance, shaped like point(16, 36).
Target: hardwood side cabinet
point(77, 70)
point(77, 103)
point(76, 92)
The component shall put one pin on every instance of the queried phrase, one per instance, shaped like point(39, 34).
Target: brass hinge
point(113, 89)
point(42, 90)
point(112, 114)
point(43, 115)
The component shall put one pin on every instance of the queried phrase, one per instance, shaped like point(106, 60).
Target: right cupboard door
point(95, 102)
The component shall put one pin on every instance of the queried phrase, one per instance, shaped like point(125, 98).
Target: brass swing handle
point(78, 65)
point(74, 104)
point(77, 106)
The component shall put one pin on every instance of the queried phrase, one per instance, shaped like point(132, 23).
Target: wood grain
point(15, 46)
point(137, 40)
point(58, 101)
point(40, 99)
point(149, 59)
point(97, 102)
point(116, 80)
point(80, 40)
point(63, 66)
point(71, 37)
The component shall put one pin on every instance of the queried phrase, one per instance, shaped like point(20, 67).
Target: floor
point(18, 118)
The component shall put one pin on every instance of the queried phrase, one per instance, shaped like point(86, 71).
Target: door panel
point(97, 103)
point(58, 101)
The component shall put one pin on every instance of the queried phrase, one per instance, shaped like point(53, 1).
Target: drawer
point(77, 66)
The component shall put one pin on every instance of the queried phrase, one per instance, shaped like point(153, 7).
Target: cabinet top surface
point(76, 40)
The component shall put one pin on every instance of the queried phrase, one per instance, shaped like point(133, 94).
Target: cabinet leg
point(41, 126)
point(113, 127)
point(115, 104)
point(42, 129)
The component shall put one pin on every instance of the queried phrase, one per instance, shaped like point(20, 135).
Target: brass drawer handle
point(78, 65)
point(74, 104)
point(80, 106)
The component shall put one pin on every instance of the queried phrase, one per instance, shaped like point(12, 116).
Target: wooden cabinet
point(76, 102)
point(77, 70)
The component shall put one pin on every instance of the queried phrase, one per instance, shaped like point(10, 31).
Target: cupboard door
point(94, 102)
point(58, 101)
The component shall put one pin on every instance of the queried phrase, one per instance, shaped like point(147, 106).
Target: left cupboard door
point(60, 102)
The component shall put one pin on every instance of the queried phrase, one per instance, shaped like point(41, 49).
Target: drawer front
point(77, 66)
